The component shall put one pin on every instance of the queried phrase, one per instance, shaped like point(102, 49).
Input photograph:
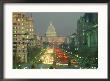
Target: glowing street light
point(76, 55)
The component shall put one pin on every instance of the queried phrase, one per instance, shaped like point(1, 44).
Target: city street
point(57, 58)
point(49, 44)
point(50, 58)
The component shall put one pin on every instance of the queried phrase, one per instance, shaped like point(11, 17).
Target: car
point(73, 61)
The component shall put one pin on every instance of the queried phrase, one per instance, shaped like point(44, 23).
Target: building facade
point(23, 36)
point(87, 34)
point(52, 38)
point(51, 30)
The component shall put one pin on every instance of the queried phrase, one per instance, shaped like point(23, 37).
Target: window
point(14, 47)
point(14, 39)
point(87, 20)
point(23, 43)
point(22, 27)
point(18, 19)
point(14, 42)
point(83, 33)
point(22, 46)
point(14, 31)
point(22, 31)
point(30, 29)
point(22, 19)
point(14, 27)
point(18, 42)
point(27, 36)
point(14, 50)
point(19, 50)
point(14, 19)
point(14, 23)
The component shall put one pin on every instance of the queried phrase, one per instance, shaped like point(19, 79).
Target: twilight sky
point(65, 23)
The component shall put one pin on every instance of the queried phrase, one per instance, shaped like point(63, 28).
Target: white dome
point(51, 30)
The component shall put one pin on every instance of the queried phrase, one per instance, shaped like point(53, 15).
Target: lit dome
point(51, 30)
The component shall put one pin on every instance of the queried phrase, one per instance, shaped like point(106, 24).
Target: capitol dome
point(51, 30)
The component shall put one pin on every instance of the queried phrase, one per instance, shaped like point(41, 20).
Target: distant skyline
point(65, 23)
